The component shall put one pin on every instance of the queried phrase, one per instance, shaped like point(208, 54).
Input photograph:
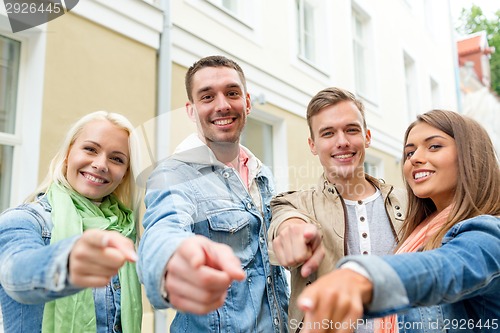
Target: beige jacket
point(324, 207)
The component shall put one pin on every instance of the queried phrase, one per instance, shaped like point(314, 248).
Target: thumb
point(221, 257)
point(121, 243)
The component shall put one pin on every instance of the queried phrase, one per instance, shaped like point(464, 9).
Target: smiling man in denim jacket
point(204, 249)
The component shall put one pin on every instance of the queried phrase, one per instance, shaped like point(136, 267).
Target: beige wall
point(181, 125)
point(90, 68)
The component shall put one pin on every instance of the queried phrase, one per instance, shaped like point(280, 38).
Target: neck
point(226, 152)
point(354, 188)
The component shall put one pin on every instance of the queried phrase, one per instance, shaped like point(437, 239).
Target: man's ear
point(368, 138)
point(312, 146)
point(248, 103)
point(191, 112)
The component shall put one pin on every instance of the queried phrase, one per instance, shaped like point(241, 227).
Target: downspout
point(164, 85)
point(163, 118)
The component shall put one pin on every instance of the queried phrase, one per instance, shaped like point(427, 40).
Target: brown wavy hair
point(478, 183)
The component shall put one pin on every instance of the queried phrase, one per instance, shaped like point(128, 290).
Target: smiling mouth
point(223, 122)
point(94, 179)
point(343, 156)
point(423, 174)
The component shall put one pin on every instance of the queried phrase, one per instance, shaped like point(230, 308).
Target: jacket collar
point(380, 184)
point(193, 150)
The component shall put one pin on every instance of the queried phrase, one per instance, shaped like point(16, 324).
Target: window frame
point(29, 106)
point(363, 39)
point(279, 138)
point(317, 39)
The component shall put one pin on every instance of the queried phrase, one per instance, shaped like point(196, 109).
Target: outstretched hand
point(299, 243)
point(199, 274)
point(97, 256)
point(337, 298)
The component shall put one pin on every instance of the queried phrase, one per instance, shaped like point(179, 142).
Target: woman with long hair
point(67, 254)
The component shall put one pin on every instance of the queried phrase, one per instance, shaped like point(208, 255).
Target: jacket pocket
point(232, 227)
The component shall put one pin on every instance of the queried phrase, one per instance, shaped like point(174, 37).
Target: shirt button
point(249, 205)
point(364, 235)
point(276, 321)
point(261, 239)
point(225, 175)
point(362, 219)
point(268, 280)
point(397, 207)
point(398, 215)
point(360, 202)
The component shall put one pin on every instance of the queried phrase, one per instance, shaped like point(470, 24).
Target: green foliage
point(473, 20)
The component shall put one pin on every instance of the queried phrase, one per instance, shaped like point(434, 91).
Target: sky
point(489, 7)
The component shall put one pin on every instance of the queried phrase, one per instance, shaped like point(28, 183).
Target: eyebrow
point(98, 145)
point(426, 140)
point(322, 129)
point(208, 88)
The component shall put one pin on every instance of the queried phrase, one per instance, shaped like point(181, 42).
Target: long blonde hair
point(126, 192)
point(478, 183)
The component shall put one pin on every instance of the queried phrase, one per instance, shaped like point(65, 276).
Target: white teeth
point(344, 156)
point(419, 175)
point(94, 179)
point(223, 122)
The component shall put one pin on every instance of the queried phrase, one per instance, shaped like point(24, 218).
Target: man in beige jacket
point(348, 212)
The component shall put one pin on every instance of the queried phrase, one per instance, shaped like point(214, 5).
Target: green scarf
point(71, 215)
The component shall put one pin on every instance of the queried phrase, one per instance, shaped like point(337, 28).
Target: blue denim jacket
point(455, 288)
point(34, 272)
point(192, 193)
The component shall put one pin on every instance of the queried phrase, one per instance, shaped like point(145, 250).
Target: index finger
point(104, 239)
point(222, 257)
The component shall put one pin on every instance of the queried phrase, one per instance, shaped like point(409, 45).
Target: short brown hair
point(332, 96)
point(211, 61)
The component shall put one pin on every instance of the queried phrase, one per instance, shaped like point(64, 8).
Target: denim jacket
point(193, 193)
point(454, 288)
point(34, 272)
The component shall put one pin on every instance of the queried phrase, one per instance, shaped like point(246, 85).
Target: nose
point(100, 163)
point(342, 140)
point(222, 103)
point(418, 157)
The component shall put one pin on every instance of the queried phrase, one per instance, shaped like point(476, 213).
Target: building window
point(258, 137)
point(236, 8)
point(312, 32)
point(265, 135)
point(306, 34)
point(373, 167)
point(9, 75)
point(363, 54)
point(435, 94)
point(411, 87)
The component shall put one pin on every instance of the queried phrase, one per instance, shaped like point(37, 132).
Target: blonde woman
point(67, 254)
